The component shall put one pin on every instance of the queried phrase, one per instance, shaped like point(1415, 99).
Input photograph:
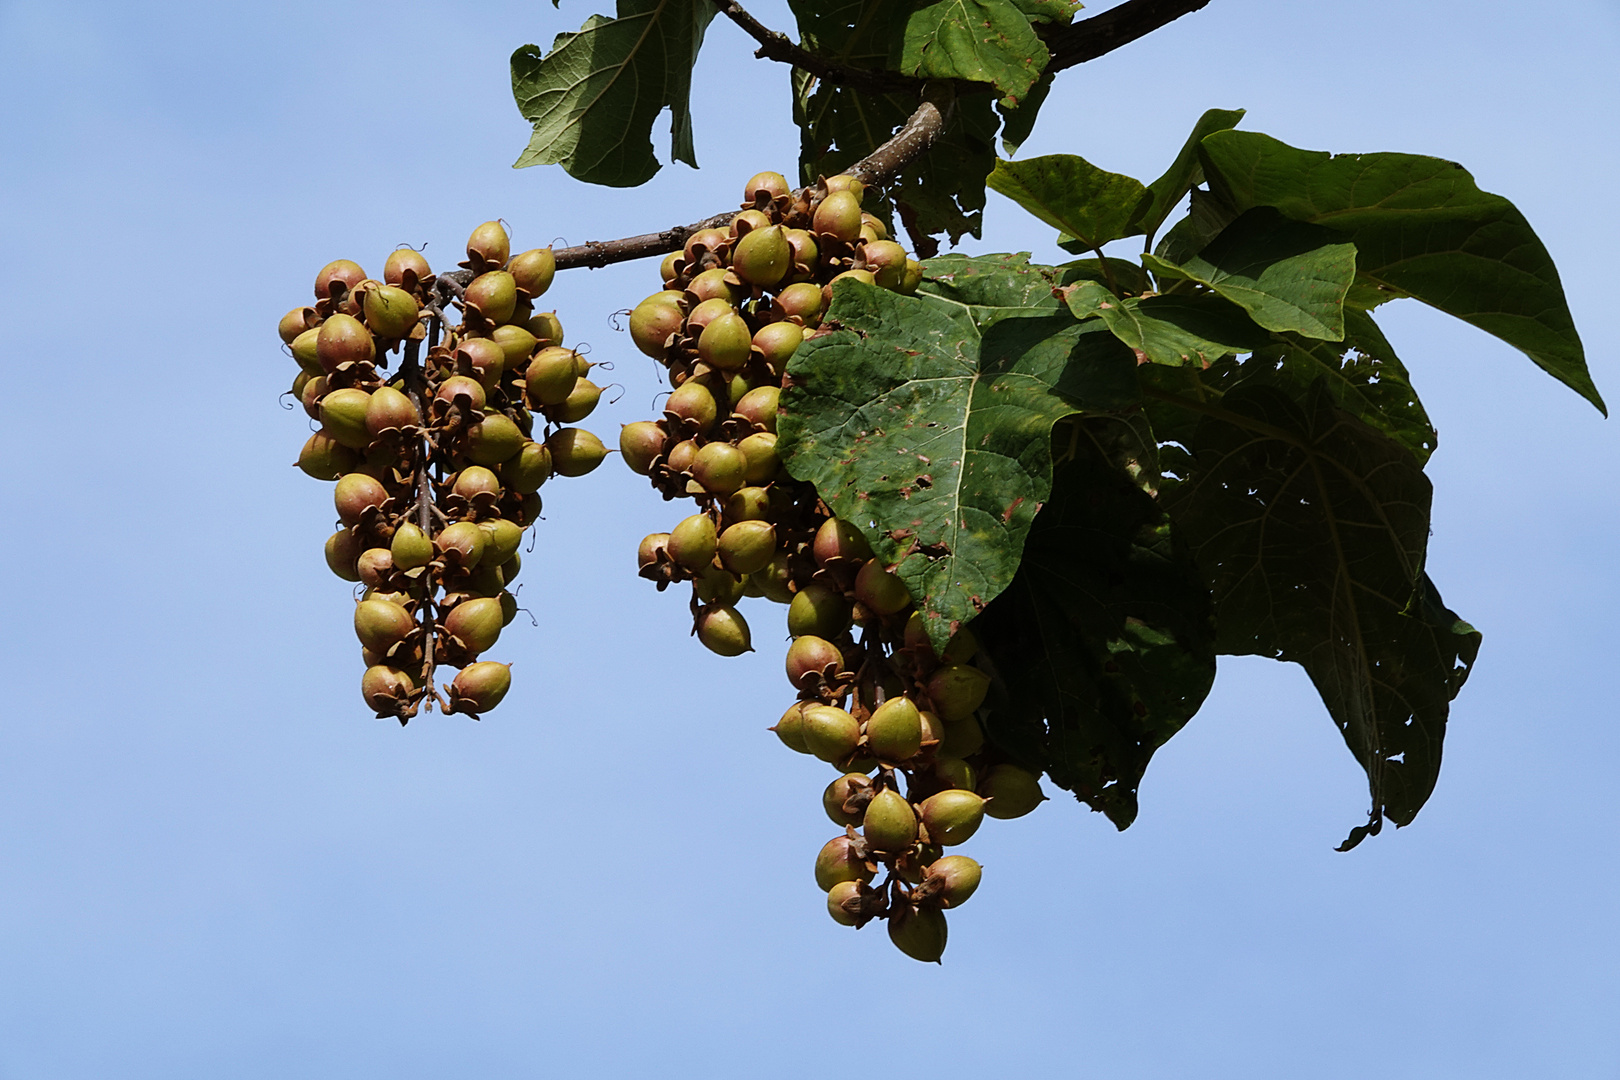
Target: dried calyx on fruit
point(438, 462)
point(873, 699)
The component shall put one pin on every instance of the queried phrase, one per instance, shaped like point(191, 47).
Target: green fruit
point(790, 729)
point(759, 407)
point(879, 230)
point(863, 276)
point(516, 343)
point(492, 295)
point(693, 401)
point(532, 271)
point(952, 816)
point(839, 539)
point(693, 542)
point(835, 863)
point(546, 328)
point(838, 216)
point(839, 791)
point(489, 245)
point(668, 269)
point(747, 546)
point(713, 585)
point(776, 580)
point(882, 592)
point(342, 553)
point(889, 823)
point(463, 392)
point(1012, 792)
point(380, 625)
point(343, 417)
point(493, 439)
point(818, 610)
point(294, 324)
point(385, 688)
point(748, 504)
point(390, 312)
point(502, 538)
point(723, 630)
point(912, 278)
point(705, 313)
point(343, 339)
point(840, 898)
point(955, 877)
point(954, 772)
point(747, 221)
point(887, 261)
point(305, 350)
point(410, 547)
point(509, 608)
point(725, 342)
point(711, 284)
point(773, 184)
point(681, 456)
point(575, 451)
point(551, 376)
point(648, 551)
point(963, 738)
point(324, 458)
point(777, 342)
point(800, 301)
point(465, 539)
point(759, 450)
point(581, 403)
point(957, 690)
point(641, 442)
point(651, 324)
point(894, 730)
point(830, 733)
point(388, 408)
point(341, 273)
point(486, 358)
point(808, 655)
point(920, 933)
point(375, 566)
point(845, 182)
point(527, 469)
point(762, 257)
point(476, 622)
point(476, 480)
point(720, 468)
point(404, 259)
point(480, 687)
point(356, 493)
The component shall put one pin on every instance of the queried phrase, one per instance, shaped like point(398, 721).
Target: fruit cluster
point(896, 720)
point(437, 465)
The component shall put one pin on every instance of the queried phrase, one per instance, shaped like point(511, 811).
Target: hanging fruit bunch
point(897, 721)
point(437, 464)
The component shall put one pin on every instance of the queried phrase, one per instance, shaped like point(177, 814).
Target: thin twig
point(1090, 38)
point(777, 46)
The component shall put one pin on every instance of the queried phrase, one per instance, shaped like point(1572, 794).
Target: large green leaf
point(1422, 227)
point(1172, 330)
point(1104, 644)
point(941, 191)
point(927, 422)
point(1088, 205)
point(594, 97)
point(988, 41)
point(1186, 172)
point(1288, 275)
point(1311, 528)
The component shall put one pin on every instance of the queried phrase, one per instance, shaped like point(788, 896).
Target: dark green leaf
point(1087, 204)
point(1289, 276)
point(992, 286)
point(1172, 330)
point(1121, 275)
point(927, 422)
point(1186, 172)
point(1049, 11)
point(1104, 644)
point(1207, 214)
point(1018, 121)
point(1311, 528)
point(1422, 227)
point(988, 41)
point(594, 97)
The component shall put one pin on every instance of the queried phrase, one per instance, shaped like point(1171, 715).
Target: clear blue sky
point(213, 863)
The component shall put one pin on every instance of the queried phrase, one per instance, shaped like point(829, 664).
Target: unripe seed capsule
point(341, 272)
point(712, 284)
point(777, 342)
point(954, 772)
point(845, 182)
point(839, 539)
point(759, 450)
point(809, 655)
point(802, 301)
point(863, 276)
point(894, 730)
point(725, 342)
point(389, 408)
point(575, 451)
point(411, 547)
point(342, 553)
point(748, 504)
point(640, 442)
point(480, 687)
point(493, 295)
point(723, 630)
point(721, 468)
point(502, 538)
point(476, 622)
point(762, 257)
point(354, 494)
point(963, 738)
point(460, 386)
point(747, 546)
point(403, 259)
point(758, 406)
point(887, 261)
point(957, 690)
point(533, 271)
point(651, 324)
point(749, 220)
point(830, 733)
point(651, 545)
point(324, 458)
point(881, 591)
point(920, 933)
point(818, 610)
point(842, 894)
point(695, 402)
point(551, 376)
point(527, 469)
point(705, 313)
point(486, 358)
point(493, 439)
point(790, 729)
point(889, 823)
point(773, 184)
point(693, 542)
point(380, 624)
point(880, 231)
point(384, 687)
point(951, 817)
point(776, 580)
point(343, 417)
point(833, 798)
point(835, 863)
point(464, 538)
point(489, 244)
point(390, 312)
point(1012, 792)
point(912, 278)
point(839, 215)
point(343, 339)
point(957, 877)
point(580, 404)
point(295, 323)
point(713, 585)
point(305, 349)
point(375, 564)
point(476, 480)
point(681, 456)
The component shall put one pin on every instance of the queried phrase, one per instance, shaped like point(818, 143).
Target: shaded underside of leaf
point(1173, 330)
point(1186, 172)
point(929, 427)
point(594, 97)
point(1089, 204)
point(1104, 644)
point(1422, 227)
point(1311, 528)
